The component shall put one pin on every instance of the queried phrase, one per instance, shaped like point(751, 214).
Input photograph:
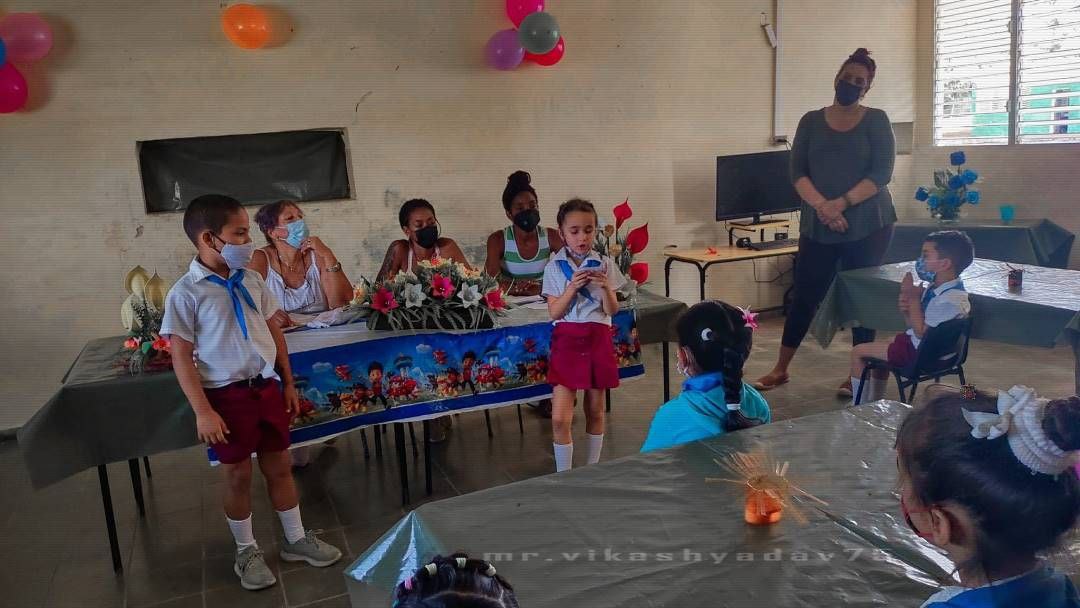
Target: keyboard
point(770, 245)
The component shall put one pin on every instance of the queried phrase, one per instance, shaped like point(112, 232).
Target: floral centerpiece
point(141, 314)
point(439, 294)
point(951, 190)
point(623, 248)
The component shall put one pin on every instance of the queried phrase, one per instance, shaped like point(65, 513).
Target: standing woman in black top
point(841, 162)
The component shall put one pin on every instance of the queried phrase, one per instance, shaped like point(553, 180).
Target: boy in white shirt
point(242, 387)
point(944, 256)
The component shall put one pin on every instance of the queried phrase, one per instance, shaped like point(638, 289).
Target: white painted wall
point(646, 98)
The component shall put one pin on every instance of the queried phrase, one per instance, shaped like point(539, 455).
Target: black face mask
point(847, 93)
point(527, 220)
point(427, 237)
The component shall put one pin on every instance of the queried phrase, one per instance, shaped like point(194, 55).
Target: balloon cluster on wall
point(246, 26)
point(24, 38)
point(536, 38)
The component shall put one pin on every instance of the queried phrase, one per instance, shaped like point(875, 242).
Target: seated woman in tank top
point(300, 270)
point(421, 242)
point(518, 253)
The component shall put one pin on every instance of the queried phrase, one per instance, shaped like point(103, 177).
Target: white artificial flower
point(469, 295)
point(414, 295)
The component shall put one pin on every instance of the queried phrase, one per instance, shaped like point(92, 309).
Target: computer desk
point(703, 258)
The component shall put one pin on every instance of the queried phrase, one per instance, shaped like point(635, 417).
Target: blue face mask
point(298, 233)
point(847, 93)
point(924, 273)
point(237, 256)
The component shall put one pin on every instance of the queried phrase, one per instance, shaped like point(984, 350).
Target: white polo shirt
point(583, 310)
point(202, 313)
point(950, 302)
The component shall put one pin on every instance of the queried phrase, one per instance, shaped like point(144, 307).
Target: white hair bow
point(1020, 415)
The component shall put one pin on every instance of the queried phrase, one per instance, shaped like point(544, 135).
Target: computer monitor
point(752, 185)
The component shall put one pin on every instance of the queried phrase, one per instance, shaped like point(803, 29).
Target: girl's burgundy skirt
point(583, 357)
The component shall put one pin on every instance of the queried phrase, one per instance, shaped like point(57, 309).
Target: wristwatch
point(334, 268)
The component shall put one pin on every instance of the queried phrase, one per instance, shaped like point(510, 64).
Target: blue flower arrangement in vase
point(951, 190)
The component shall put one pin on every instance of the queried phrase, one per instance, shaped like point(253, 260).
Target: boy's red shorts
point(583, 357)
point(902, 352)
point(255, 416)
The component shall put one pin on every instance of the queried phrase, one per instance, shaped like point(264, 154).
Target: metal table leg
point(110, 517)
point(378, 442)
point(701, 276)
point(666, 356)
point(399, 436)
point(136, 485)
point(146, 465)
point(667, 277)
point(427, 455)
point(521, 422)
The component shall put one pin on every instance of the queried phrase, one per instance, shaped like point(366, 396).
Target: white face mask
point(237, 256)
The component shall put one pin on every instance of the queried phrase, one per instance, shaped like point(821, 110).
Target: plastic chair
point(942, 352)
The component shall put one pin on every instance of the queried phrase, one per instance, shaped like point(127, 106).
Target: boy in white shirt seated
point(944, 256)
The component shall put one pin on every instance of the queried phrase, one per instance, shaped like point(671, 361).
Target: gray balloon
point(538, 33)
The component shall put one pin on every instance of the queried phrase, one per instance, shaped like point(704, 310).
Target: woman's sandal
point(761, 386)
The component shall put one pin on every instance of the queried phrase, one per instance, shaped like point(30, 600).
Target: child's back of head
point(718, 337)
point(1006, 460)
point(455, 582)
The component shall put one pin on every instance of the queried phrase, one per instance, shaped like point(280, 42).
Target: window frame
point(1012, 104)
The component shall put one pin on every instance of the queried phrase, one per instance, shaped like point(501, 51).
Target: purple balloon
point(503, 50)
point(27, 36)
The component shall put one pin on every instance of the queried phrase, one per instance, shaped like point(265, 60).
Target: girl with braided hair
point(714, 344)
point(455, 582)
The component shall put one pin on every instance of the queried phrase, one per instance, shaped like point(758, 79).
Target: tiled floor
point(54, 553)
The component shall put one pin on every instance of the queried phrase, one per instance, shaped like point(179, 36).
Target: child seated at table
point(714, 344)
point(421, 242)
point(990, 481)
point(242, 388)
point(456, 581)
point(944, 256)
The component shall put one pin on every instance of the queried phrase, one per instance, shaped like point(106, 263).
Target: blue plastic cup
point(1008, 212)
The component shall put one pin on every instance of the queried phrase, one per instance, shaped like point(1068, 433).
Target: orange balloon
point(247, 26)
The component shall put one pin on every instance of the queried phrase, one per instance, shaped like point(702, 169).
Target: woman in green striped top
point(518, 253)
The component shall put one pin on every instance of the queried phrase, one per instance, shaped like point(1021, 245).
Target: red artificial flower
point(494, 300)
point(622, 213)
point(638, 239)
point(384, 301)
point(711, 250)
point(441, 287)
point(131, 343)
point(161, 344)
point(639, 272)
point(749, 318)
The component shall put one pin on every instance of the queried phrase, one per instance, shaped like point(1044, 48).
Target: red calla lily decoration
point(638, 239)
point(639, 272)
point(622, 213)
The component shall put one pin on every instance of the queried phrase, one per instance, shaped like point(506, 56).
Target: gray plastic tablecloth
point(1035, 242)
point(647, 530)
point(103, 414)
point(1045, 312)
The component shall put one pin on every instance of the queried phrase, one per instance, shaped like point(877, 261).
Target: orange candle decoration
point(764, 503)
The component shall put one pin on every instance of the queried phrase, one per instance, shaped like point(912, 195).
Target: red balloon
point(13, 90)
point(246, 26)
point(517, 10)
point(549, 58)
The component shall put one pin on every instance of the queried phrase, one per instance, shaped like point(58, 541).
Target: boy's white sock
point(291, 523)
point(596, 443)
point(564, 457)
point(242, 532)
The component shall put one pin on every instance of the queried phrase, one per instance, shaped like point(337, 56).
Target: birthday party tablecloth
point(649, 530)
point(348, 377)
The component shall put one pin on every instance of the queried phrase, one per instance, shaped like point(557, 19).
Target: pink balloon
point(517, 10)
point(13, 89)
point(27, 36)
